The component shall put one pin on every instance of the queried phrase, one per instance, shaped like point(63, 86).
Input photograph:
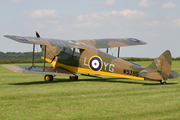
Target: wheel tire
point(76, 77)
point(164, 83)
point(73, 77)
point(70, 77)
point(48, 78)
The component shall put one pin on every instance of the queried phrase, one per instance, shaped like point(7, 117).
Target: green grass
point(27, 96)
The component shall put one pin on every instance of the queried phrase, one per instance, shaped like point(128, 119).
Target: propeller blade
point(37, 35)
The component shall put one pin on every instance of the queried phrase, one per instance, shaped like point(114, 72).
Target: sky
point(156, 22)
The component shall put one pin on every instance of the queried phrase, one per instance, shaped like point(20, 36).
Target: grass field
point(27, 96)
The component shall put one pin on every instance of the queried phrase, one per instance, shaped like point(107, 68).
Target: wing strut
point(118, 51)
point(44, 58)
point(38, 36)
point(33, 54)
point(32, 58)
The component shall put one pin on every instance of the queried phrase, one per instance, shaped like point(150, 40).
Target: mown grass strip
point(27, 96)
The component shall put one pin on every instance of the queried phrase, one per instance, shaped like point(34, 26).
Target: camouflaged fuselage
point(84, 61)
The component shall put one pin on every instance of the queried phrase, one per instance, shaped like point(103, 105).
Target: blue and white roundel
point(95, 63)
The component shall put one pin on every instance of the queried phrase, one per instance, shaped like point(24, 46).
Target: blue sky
point(152, 21)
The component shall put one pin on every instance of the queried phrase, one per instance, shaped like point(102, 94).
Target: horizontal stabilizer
point(173, 74)
point(39, 70)
point(151, 75)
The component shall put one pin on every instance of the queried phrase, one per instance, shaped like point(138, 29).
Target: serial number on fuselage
point(131, 72)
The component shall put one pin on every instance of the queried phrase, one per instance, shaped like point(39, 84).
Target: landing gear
point(48, 78)
point(163, 83)
point(73, 77)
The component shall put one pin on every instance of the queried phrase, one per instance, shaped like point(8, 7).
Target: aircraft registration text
point(131, 72)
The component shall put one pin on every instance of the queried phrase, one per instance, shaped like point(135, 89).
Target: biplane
point(84, 57)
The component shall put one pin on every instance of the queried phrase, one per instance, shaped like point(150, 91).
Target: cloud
point(57, 29)
point(153, 24)
point(87, 24)
point(176, 23)
point(39, 25)
point(168, 5)
point(18, 1)
point(35, 25)
point(43, 13)
point(171, 17)
point(24, 13)
point(144, 4)
point(107, 2)
point(94, 20)
point(125, 14)
point(165, 24)
point(130, 13)
point(52, 21)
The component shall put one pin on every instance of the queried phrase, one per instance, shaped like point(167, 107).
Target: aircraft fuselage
point(94, 61)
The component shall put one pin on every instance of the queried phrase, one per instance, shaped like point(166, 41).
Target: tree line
point(20, 55)
point(26, 57)
point(144, 59)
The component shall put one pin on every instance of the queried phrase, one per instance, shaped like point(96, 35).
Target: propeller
point(37, 35)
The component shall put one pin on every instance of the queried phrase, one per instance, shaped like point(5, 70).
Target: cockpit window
point(76, 52)
point(69, 52)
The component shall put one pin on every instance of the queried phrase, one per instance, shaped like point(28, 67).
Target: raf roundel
point(20, 38)
point(95, 63)
point(134, 40)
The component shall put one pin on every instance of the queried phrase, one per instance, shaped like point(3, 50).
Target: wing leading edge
point(109, 43)
point(97, 43)
point(44, 41)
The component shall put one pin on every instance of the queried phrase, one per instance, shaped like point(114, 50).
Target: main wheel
point(73, 77)
point(48, 78)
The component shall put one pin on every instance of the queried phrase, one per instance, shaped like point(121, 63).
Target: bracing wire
point(113, 51)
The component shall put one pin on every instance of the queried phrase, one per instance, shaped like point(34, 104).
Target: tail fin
point(160, 68)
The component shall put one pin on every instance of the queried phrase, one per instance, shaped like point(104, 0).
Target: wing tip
point(134, 40)
point(6, 35)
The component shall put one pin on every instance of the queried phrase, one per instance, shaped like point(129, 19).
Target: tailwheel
point(48, 78)
point(73, 77)
point(164, 83)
